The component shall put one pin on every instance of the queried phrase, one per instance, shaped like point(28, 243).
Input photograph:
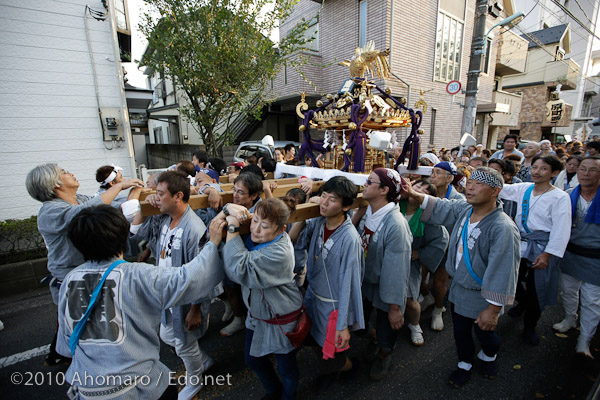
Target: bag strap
point(466, 255)
point(272, 312)
point(322, 239)
point(76, 335)
point(525, 208)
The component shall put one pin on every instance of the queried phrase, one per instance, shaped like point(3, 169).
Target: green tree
point(219, 54)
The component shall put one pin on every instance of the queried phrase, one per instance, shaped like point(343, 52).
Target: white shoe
point(583, 347)
point(416, 335)
point(207, 364)
point(437, 323)
point(427, 301)
point(1, 325)
point(189, 391)
point(228, 311)
point(566, 324)
point(235, 326)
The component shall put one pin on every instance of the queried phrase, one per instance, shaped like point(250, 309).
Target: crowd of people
point(517, 227)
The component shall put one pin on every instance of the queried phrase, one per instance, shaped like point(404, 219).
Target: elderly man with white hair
point(546, 148)
point(57, 189)
point(530, 150)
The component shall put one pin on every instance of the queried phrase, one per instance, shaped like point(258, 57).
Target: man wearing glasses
point(386, 241)
point(246, 192)
point(442, 175)
point(57, 189)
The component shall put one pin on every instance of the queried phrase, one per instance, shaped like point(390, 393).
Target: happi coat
point(188, 240)
point(339, 261)
point(121, 336)
point(494, 249)
point(266, 276)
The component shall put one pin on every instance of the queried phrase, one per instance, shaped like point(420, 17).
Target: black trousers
point(463, 337)
point(526, 295)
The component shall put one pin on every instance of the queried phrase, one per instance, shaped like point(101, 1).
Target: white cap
point(268, 141)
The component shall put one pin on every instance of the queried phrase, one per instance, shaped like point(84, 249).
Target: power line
point(541, 45)
point(570, 14)
point(562, 19)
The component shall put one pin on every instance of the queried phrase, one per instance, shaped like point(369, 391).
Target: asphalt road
point(550, 371)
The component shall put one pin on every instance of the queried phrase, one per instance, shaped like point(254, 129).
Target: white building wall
point(48, 109)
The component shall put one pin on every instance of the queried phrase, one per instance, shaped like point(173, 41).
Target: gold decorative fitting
point(369, 60)
point(319, 103)
point(329, 97)
point(388, 90)
point(421, 131)
point(302, 128)
point(421, 103)
point(349, 152)
point(302, 106)
point(403, 100)
point(352, 126)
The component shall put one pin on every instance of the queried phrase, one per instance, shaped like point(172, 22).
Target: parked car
point(258, 149)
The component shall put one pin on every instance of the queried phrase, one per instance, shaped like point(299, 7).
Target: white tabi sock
point(465, 366)
point(484, 357)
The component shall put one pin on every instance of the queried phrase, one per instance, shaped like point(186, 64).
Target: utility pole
point(477, 53)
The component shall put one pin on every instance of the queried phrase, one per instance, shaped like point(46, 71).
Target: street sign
point(453, 87)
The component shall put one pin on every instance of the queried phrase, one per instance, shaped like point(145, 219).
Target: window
point(448, 47)
point(432, 130)
point(586, 107)
point(121, 14)
point(488, 56)
point(313, 32)
point(362, 23)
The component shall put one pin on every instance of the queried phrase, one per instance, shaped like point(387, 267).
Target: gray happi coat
point(120, 339)
point(495, 252)
point(431, 248)
point(185, 247)
point(53, 219)
point(585, 235)
point(268, 272)
point(387, 263)
point(343, 259)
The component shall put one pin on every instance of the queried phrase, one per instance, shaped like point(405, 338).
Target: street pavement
point(549, 371)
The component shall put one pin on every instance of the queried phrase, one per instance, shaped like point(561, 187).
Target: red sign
point(453, 87)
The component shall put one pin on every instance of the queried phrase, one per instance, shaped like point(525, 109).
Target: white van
point(257, 149)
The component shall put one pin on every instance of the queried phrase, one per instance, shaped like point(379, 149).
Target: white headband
point(112, 175)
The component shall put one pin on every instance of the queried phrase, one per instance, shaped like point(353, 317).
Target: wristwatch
point(233, 228)
point(225, 210)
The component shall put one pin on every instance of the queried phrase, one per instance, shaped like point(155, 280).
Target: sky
point(136, 76)
point(138, 44)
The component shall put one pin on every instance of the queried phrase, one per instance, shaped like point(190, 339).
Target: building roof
point(129, 87)
point(548, 35)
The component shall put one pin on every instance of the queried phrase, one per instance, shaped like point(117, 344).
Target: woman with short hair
point(263, 264)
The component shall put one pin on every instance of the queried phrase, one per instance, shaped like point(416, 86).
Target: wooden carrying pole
point(201, 201)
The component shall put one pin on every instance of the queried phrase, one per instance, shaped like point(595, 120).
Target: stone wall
point(533, 113)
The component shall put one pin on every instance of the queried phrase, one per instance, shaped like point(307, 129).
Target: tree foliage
point(219, 54)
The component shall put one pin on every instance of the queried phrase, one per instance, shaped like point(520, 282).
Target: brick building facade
point(416, 33)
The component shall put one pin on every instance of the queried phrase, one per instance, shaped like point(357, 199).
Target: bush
point(20, 240)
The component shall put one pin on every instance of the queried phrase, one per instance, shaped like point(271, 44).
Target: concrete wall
point(22, 276)
point(48, 109)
